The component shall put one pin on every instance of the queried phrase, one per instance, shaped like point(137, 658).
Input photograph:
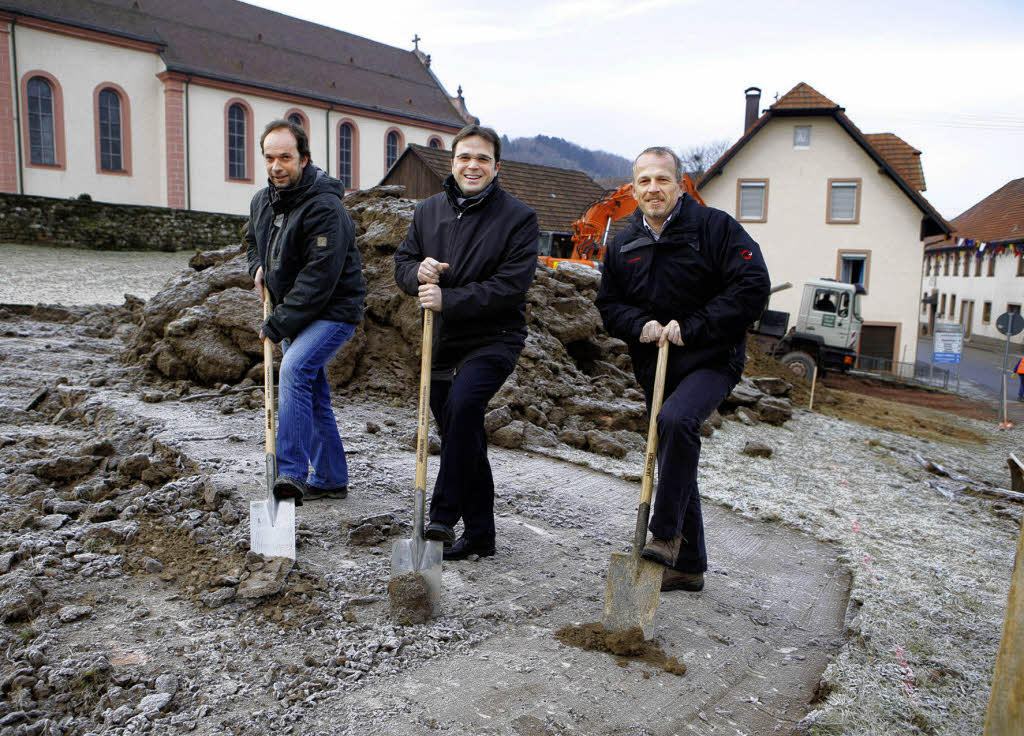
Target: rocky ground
point(858, 574)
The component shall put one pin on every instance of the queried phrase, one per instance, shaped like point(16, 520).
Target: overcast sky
point(621, 75)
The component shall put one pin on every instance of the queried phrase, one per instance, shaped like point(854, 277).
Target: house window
point(801, 136)
point(236, 142)
point(956, 263)
point(752, 200)
point(843, 201)
point(924, 305)
point(952, 305)
point(977, 265)
point(945, 264)
point(295, 116)
point(942, 305)
point(1015, 308)
point(393, 145)
point(1020, 265)
point(435, 142)
point(346, 154)
point(986, 313)
point(41, 131)
point(111, 130)
point(852, 266)
point(991, 264)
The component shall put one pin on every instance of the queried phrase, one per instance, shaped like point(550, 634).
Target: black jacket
point(704, 271)
point(305, 241)
point(490, 243)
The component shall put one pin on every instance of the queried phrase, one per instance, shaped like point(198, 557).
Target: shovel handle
point(423, 425)
point(268, 380)
point(647, 482)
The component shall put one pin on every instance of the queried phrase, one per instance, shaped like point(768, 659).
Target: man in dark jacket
point(470, 256)
point(301, 244)
point(689, 275)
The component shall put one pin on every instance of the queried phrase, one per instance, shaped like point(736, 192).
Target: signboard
point(1010, 323)
point(828, 320)
point(949, 343)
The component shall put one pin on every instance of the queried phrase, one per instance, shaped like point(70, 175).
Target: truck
point(827, 328)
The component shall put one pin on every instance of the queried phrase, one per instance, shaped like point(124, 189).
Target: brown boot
point(675, 580)
point(664, 551)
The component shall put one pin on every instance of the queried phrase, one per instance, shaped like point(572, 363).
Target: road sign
point(1010, 323)
point(948, 344)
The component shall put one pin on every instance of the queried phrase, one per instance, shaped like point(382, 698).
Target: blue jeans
point(307, 433)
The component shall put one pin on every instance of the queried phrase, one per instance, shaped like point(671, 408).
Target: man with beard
point(301, 244)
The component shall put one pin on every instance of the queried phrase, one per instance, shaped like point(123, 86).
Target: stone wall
point(82, 223)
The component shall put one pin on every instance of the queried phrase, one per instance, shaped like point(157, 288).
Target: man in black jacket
point(689, 275)
point(470, 256)
point(301, 244)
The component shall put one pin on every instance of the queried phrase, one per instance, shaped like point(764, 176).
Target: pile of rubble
point(573, 385)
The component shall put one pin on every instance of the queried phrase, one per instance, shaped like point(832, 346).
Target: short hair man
point(301, 244)
point(689, 275)
point(470, 256)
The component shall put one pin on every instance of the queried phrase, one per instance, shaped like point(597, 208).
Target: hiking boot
point(314, 493)
point(663, 551)
point(285, 488)
point(438, 532)
point(676, 580)
point(464, 547)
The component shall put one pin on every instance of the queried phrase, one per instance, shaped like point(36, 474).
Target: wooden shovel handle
point(647, 482)
point(268, 381)
point(423, 425)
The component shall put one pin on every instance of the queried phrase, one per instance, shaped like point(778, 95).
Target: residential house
point(824, 199)
point(558, 196)
point(163, 103)
point(977, 273)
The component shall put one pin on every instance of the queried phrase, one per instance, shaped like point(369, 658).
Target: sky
point(622, 75)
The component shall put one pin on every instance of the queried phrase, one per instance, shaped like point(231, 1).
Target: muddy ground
point(124, 569)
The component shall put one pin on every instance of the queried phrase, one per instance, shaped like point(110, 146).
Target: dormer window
point(801, 136)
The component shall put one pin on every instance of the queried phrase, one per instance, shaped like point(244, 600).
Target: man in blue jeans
point(470, 256)
point(301, 244)
point(689, 275)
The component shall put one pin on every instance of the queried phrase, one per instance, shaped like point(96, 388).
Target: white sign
point(949, 343)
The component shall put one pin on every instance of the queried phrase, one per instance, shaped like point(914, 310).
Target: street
point(980, 374)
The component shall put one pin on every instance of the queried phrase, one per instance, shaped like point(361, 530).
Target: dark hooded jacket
point(705, 271)
point(490, 242)
point(305, 241)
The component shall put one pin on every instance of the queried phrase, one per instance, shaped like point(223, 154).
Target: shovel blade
point(421, 556)
point(631, 594)
point(272, 532)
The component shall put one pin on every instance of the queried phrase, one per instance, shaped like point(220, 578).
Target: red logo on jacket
point(747, 255)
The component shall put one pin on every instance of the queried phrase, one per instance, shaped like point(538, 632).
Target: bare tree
point(698, 159)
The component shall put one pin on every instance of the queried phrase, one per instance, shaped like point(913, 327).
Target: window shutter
point(751, 202)
point(843, 202)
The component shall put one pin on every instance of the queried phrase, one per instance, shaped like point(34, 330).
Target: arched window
point(435, 142)
point(113, 129)
point(238, 141)
point(297, 117)
point(42, 138)
point(394, 142)
point(345, 139)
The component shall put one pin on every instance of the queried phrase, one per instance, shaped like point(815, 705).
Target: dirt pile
point(627, 645)
point(573, 385)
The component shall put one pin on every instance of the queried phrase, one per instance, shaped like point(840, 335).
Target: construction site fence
point(926, 374)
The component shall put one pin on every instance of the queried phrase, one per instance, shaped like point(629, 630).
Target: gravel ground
point(124, 565)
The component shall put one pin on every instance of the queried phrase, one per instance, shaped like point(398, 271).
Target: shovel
point(417, 554)
point(634, 583)
point(271, 522)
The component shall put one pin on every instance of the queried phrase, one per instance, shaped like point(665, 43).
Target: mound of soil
point(626, 645)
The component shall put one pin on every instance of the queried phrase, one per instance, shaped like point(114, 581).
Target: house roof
point(999, 218)
point(558, 196)
point(234, 42)
point(896, 158)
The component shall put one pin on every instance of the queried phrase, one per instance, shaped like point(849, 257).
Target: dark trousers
point(689, 401)
point(464, 488)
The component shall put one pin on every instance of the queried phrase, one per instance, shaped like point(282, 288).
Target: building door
point(877, 347)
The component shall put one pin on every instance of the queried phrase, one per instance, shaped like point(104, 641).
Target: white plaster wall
point(797, 242)
point(79, 65)
point(1004, 287)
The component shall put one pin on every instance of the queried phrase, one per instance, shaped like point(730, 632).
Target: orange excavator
point(590, 232)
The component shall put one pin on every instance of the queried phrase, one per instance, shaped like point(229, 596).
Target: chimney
point(753, 103)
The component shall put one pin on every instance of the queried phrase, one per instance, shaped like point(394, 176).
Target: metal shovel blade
point(631, 594)
point(272, 530)
point(421, 556)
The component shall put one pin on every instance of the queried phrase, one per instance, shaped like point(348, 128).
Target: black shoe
point(438, 532)
point(314, 493)
point(464, 547)
point(285, 488)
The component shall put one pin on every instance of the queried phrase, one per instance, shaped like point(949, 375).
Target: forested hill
point(548, 151)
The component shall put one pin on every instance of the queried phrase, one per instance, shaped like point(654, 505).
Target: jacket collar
point(454, 194)
point(682, 221)
point(283, 200)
